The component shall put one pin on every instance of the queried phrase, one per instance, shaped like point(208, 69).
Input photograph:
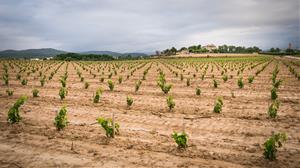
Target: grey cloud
point(143, 25)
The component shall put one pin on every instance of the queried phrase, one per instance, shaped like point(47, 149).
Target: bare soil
point(233, 138)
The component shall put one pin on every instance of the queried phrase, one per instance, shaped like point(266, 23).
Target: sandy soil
point(233, 138)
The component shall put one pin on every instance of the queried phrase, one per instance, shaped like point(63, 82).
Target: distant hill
point(50, 52)
point(115, 54)
point(30, 53)
point(135, 54)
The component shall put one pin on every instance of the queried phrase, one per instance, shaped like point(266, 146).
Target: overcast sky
point(147, 25)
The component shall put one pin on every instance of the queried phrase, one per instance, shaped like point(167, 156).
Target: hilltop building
point(210, 47)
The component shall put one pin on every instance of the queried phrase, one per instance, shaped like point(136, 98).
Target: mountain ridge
point(51, 52)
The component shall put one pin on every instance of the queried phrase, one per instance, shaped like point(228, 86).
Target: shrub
point(110, 75)
point(166, 88)
point(273, 109)
point(198, 91)
point(250, 79)
point(232, 94)
point(180, 139)
point(111, 85)
point(97, 96)
point(181, 77)
point(215, 83)
point(24, 82)
point(188, 82)
point(42, 81)
point(240, 82)
point(137, 85)
point(13, 113)
point(102, 79)
point(225, 78)
point(218, 105)
point(107, 125)
point(129, 101)
point(277, 83)
point(272, 143)
point(202, 77)
point(170, 102)
point(61, 120)
point(9, 92)
point(35, 92)
point(63, 82)
point(81, 79)
point(120, 79)
point(18, 77)
point(86, 85)
point(161, 82)
point(6, 79)
point(274, 93)
point(63, 92)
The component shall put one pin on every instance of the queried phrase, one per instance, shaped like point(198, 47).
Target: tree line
point(220, 49)
point(87, 57)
